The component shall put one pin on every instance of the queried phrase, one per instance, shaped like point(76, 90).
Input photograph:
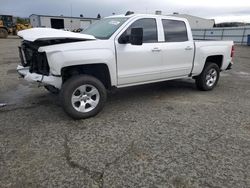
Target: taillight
point(232, 52)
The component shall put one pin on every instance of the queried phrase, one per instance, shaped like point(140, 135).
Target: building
point(197, 22)
point(60, 22)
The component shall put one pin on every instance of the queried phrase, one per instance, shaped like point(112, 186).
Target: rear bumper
point(38, 78)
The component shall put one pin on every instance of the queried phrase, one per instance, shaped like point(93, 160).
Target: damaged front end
point(34, 64)
point(30, 57)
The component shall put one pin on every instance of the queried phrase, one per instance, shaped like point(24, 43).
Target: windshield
point(104, 28)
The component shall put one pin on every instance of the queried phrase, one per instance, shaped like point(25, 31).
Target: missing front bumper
point(34, 77)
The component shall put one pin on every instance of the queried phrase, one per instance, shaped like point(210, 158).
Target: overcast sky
point(220, 10)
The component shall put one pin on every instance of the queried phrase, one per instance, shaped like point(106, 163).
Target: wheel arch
point(217, 59)
point(99, 71)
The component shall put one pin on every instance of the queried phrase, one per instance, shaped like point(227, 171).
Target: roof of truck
point(145, 15)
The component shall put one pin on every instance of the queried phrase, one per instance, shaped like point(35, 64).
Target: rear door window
point(174, 31)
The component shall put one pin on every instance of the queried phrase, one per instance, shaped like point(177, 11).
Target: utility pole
point(71, 16)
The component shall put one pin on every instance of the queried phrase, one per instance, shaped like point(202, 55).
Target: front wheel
point(83, 96)
point(209, 77)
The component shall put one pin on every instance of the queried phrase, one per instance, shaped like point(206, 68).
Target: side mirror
point(124, 39)
point(136, 37)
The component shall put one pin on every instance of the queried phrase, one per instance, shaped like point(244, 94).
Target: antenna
point(71, 9)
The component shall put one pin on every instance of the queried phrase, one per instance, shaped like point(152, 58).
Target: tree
point(22, 20)
point(99, 16)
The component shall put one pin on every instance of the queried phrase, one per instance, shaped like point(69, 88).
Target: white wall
point(196, 22)
point(71, 24)
point(34, 21)
point(84, 24)
point(75, 24)
point(45, 22)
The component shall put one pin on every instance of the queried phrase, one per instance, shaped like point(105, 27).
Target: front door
point(137, 64)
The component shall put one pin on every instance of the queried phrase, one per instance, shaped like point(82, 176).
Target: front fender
point(60, 59)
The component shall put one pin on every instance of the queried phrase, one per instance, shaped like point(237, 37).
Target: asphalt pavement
point(160, 135)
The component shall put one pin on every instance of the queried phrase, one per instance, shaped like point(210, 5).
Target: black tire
point(52, 89)
point(201, 81)
point(3, 33)
point(70, 87)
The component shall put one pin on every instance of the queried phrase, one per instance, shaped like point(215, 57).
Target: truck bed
point(206, 48)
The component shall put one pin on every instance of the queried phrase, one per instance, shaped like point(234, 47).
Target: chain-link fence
point(238, 35)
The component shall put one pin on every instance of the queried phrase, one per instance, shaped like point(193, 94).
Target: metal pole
point(204, 36)
point(222, 35)
point(71, 17)
point(243, 36)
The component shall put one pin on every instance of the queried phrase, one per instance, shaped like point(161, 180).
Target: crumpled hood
point(48, 34)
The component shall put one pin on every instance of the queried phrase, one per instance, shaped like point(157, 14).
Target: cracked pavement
point(160, 135)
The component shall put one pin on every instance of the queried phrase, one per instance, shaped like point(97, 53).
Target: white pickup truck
point(118, 51)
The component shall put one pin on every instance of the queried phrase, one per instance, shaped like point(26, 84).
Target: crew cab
point(118, 51)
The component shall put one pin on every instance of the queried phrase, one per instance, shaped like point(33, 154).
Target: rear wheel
point(3, 33)
point(83, 96)
point(209, 77)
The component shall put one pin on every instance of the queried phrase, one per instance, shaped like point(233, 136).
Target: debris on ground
point(3, 104)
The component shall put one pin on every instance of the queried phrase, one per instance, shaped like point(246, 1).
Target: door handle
point(156, 50)
point(188, 48)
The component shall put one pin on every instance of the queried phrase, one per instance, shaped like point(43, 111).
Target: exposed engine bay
point(35, 60)
point(35, 65)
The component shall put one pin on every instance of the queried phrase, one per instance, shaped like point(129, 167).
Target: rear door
point(177, 49)
point(137, 64)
